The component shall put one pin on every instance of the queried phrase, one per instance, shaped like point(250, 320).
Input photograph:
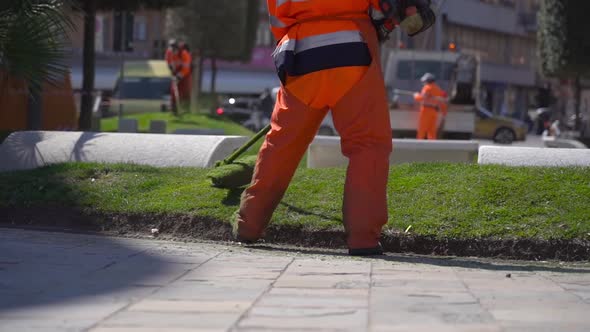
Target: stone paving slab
point(312, 318)
point(68, 282)
point(191, 306)
point(153, 329)
point(165, 320)
point(315, 298)
point(438, 328)
point(40, 325)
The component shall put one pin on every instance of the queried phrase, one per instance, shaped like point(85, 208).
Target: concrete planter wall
point(510, 156)
point(28, 150)
point(32, 149)
point(325, 152)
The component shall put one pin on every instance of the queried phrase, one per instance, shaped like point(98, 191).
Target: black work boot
point(375, 251)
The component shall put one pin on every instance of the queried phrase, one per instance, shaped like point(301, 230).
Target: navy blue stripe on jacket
point(321, 58)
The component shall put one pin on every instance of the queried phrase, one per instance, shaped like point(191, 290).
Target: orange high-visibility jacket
point(323, 42)
point(179, 61)
point(432, 97)
point(169, 56)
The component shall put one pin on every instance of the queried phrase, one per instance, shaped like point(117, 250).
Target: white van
point(456, 73)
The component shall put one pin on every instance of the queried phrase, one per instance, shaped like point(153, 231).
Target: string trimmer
point(231, 172)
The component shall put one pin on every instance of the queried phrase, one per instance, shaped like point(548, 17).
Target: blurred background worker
point(432, 101)
point(327, 58)
point(169, 56)
point(180, 63)
point(184, 74)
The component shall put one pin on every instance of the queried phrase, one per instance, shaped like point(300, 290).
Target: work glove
point(414, 16)
point(417, 17)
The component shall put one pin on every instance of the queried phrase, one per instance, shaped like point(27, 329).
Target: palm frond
point(33, 35)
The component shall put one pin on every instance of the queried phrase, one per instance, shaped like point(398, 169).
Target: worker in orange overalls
point(432, 101)
point(327, 58)
point(179, 61)
point(169, 55)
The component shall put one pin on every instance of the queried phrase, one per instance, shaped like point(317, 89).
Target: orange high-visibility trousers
point(428, 124)
point(184, 89)
point(357, 98)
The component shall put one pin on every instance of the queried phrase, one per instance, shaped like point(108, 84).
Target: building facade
point(141, 34)
point(502, 34)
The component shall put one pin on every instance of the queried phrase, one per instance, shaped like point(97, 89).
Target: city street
point(67, 282)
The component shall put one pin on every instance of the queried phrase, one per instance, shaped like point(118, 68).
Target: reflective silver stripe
point(288, 45)
point(282, 2)
point(327, 39)
point(339, 37)
point(275, 22)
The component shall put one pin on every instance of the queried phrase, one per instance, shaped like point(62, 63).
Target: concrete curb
point(325, 151)
point(33, 149)
point(517, 156)
point(191, 227)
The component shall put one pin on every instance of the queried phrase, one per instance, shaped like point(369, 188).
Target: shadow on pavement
point(471, 263)
point(43, 268)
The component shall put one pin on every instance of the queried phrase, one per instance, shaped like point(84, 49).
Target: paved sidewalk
point(67, 282)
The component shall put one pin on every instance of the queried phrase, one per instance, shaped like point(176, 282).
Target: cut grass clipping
point(438, 200)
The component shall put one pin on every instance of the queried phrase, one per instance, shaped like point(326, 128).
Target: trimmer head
point(233, 175)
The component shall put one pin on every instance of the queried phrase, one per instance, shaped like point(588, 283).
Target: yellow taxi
point(500, 129)
point(142, 87)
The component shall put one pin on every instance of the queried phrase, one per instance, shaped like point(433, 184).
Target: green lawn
point(186, 121)
point(442, 200)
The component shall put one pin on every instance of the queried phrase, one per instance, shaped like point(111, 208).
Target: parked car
point(501, 129)
point(143, 86)
point(247, 112)
point(244, 111)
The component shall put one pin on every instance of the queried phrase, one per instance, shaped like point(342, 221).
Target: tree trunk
point(200, 78)
point(35, 111)
point(85, 121)
point(196, 77)
point(213, 75)
point(578, 101)
point(201, 62)
point(213, 81)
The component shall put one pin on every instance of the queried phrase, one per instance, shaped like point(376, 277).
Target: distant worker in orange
point(184, 74)
point(432, 101)
point(327, 58)
point(169, 56)
point(179, 62)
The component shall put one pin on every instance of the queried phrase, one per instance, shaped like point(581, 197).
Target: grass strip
point(445, 201)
